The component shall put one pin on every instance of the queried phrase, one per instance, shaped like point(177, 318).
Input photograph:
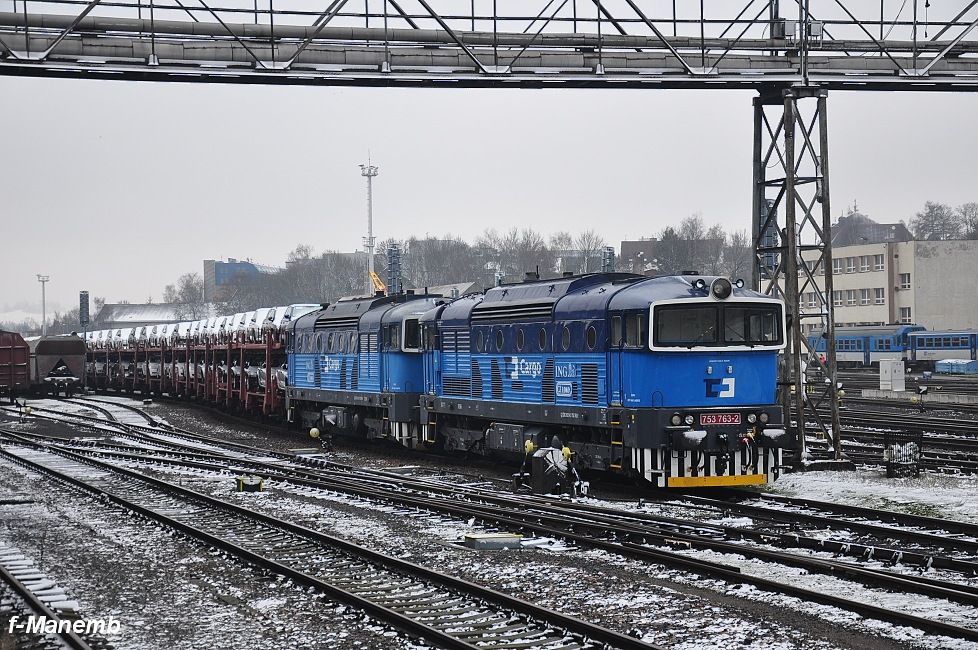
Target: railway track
point(20, 586)
point(933, 544)
point(639, 535)
point(446, 611)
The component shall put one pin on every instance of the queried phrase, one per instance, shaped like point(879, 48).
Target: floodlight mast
point(43, 279)
point(369, 171)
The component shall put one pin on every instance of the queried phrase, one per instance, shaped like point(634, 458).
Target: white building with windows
point(929, 283)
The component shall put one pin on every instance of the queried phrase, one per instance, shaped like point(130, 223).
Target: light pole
point(369, 171)
point(44, 308)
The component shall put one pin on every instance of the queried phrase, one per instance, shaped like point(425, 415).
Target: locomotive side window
point(480, 341)
point(393, 336)
point(592, 337)
point(617, 335)
point(499, 340)
point(633, 330)
point(520, 341)
point(430, 337)
point(565, 339)
point(542, 339)
point(412, 335)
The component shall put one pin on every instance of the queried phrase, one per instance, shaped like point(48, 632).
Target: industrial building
point(220, 275)
point(882, 276)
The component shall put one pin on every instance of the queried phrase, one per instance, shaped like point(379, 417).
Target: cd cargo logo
point(720, 387)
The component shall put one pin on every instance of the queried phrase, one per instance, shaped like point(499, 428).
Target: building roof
point(856, 229)
point(455, 290)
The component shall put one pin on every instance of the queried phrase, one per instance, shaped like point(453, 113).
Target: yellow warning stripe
point(710, 481)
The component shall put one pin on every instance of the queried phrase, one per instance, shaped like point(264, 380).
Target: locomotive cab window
point(687, 326)
point(713, 325)
point(751, 325)
point(412, 335)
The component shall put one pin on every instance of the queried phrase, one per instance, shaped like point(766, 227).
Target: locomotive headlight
point(688, 419)
point(721, 289)
point(676, 420)
point(764, 418)
point(751, 418)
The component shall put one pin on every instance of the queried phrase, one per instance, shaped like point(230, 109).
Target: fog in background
point(119, 187)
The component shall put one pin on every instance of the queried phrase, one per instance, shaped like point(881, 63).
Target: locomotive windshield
point(716, 325)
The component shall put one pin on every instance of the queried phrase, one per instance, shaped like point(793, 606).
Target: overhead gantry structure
point(791, 53)
point(527, 43)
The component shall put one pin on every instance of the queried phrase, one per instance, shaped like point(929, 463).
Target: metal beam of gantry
point(791, 179)
point(750, 44)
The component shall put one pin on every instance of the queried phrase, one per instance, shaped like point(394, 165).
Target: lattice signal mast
point(369, 172)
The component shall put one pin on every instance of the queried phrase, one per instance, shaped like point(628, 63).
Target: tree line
point(493, 256)
point(939, 221)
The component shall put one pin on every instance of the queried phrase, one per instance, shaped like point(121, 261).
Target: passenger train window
point(592, 337)
point(520, 340)
point(565, 339)
point(412, 335)
point(499, 340)
point(542, 339)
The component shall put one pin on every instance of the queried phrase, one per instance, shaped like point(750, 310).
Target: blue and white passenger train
point(672, 379)
point(917, 346)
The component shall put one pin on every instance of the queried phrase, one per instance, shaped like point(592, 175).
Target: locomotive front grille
point(476, 380)
point(457, 386)
point(496, 380)
point(589, 383)
point(548, 386)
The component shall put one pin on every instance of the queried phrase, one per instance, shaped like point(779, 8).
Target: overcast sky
point(119, 187)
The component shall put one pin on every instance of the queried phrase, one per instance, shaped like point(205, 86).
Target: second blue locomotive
point(671, 379)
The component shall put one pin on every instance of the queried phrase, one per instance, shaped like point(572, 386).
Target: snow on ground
point(166, 591)
point(932, 495)
point(369, 522)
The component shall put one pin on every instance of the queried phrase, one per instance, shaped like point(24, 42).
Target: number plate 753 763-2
point(707, 419)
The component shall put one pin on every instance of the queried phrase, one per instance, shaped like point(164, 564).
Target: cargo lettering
point(525, 368)
point(331, 364)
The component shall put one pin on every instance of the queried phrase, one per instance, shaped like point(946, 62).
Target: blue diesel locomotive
point(671, 379)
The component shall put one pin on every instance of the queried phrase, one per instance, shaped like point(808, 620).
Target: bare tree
point(670, 253)
point(691, 234)
point(589, 243)
point(968, 215)
point(936, 221)
point(737, 255)
point(713, 246)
